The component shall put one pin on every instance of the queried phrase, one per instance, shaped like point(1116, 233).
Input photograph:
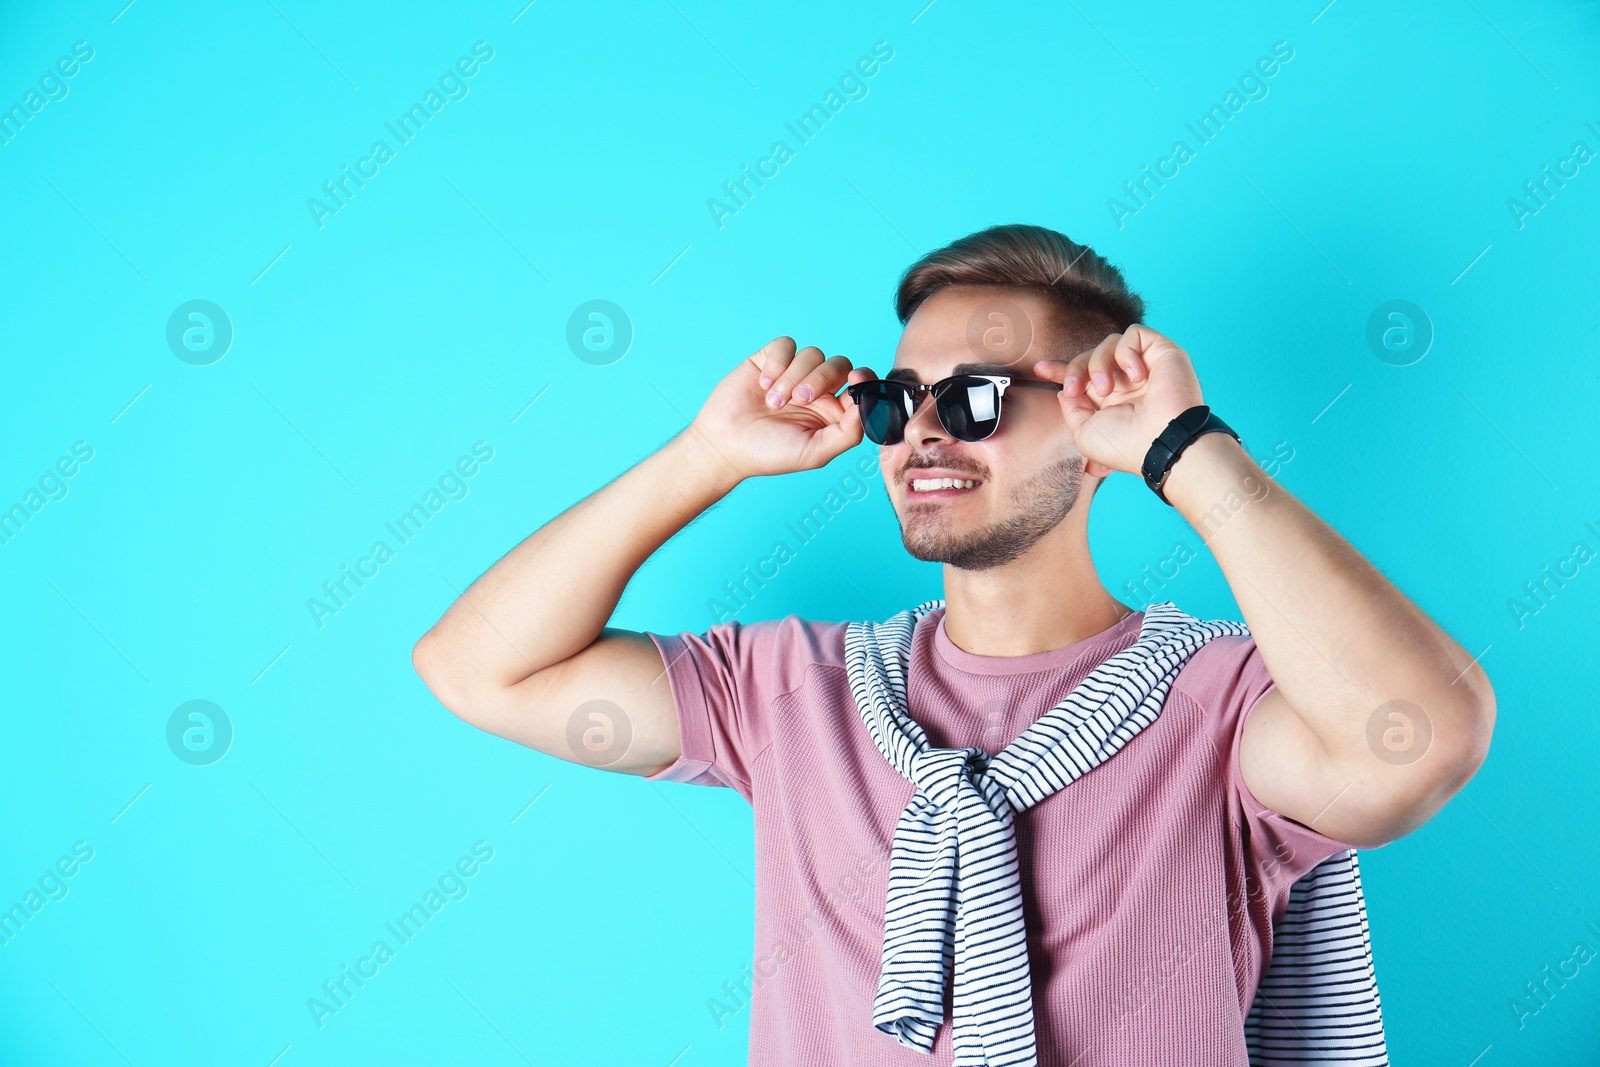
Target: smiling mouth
point(938, 488)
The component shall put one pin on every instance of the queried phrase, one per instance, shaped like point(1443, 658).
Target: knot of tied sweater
point(940, 773)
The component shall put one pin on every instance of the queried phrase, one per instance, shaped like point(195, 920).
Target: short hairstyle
point(1090, 295)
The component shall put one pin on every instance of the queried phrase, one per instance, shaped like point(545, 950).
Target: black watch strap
point(1166, 449)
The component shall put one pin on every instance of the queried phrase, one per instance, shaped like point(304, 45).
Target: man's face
point(1029, 471)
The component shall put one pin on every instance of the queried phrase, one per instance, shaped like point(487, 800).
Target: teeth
point(923, 485)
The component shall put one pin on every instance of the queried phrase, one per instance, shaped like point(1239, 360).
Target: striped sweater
point(1151, 887)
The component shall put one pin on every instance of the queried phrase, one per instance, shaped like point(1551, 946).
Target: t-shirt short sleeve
point(723, 684)
point(1227, 677)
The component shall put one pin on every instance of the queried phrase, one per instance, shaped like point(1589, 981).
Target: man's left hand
point(1120, 395)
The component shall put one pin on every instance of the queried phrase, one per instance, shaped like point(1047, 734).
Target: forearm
point(1337, 637)
point(552, 595)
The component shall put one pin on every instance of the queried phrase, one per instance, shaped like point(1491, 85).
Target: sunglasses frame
point(915, 390)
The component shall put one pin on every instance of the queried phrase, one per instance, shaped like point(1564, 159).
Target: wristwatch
point(1166, 449)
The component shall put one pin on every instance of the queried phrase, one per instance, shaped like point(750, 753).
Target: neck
point(1048, 598)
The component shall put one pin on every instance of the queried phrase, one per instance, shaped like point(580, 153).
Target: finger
point(772, 358)
point(1050, 370)
point(805, 361)
point(1077, 410)
point(1103, 370)
point(1130, 358)
point(850, 422)
point(823, 381)
point(857, 374)
point(1075, 378)
point(1101, 366)
point(843, 433)
point(1141, 337)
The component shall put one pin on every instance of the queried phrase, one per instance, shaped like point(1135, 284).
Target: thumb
point(1077, 410)
point(833, 439)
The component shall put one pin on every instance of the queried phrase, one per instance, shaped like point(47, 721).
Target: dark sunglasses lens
point(883, 413)
point(969, 407)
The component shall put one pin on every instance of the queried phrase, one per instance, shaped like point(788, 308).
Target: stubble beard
point(1037, 507)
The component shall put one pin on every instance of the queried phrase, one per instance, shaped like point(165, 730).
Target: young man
point(1150, 884)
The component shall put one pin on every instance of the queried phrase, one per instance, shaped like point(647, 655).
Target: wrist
point(1212, 465)
point(695, 461)
point(1179, 433)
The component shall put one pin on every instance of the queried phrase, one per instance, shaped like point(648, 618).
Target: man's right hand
point(525, 652)
point(806, 430)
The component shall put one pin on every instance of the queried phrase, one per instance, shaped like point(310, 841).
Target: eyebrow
point(906, 374)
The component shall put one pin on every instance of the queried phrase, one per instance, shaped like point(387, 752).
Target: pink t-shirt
point(1149, 885)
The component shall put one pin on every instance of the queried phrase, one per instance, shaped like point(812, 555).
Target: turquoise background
point(371, 353)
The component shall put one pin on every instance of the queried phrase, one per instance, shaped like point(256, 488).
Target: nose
point(924, 424)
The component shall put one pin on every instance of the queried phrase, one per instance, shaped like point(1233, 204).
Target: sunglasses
point(968, 405)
